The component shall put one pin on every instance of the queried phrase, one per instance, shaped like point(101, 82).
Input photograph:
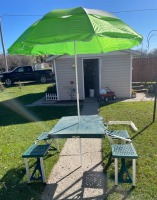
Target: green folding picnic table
point(87, 126)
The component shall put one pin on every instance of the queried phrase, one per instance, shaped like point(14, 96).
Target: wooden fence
point(144, 69)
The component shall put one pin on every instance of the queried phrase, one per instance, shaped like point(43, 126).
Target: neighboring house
point(39, 66)
point(113, 70)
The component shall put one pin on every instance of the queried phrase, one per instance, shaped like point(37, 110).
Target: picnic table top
point(89, 126)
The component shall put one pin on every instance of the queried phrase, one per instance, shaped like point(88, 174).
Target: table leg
point(116, 170)
point(57, 144)
point(42, 170)
point(27, 170)
point(134, 172)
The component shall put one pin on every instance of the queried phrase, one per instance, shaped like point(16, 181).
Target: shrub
point(52, 89)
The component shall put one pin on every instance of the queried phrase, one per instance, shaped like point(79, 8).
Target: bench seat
point(124, 151)
point(38, 152)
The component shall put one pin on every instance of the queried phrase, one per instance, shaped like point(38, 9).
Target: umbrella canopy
point(75, 31)
point(95, 31)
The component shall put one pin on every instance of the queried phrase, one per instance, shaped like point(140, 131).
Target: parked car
point(26, 73)
point(106, 94)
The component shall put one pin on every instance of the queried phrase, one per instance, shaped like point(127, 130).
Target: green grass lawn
point(145, 142)
point(19, 128)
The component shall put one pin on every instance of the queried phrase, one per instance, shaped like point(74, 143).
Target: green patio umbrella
point(76, 31)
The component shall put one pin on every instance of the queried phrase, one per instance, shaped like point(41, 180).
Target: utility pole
point(2, 41)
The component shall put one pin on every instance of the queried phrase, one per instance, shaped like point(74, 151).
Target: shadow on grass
point(140, 132)
point(114, 189)
point(12, 187)
point(22, 100)
point(27, 83)
point(128, 193)
point(102, 104)
point(15, 112)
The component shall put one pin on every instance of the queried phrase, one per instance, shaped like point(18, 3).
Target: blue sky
point(18, 15)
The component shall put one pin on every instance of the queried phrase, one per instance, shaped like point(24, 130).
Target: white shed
point(113, 70)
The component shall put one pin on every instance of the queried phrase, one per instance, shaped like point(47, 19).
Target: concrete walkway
point(140, 97)
point(70, 180)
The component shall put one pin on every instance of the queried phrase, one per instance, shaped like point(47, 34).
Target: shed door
point(91, 76)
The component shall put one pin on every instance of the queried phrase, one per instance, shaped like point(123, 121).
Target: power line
point(36, 15)
point(20, 15)
point(138, 10)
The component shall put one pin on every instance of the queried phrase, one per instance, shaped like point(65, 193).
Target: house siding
point(65, 75)
point(115, 74)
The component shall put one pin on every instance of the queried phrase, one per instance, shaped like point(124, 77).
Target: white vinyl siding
point(115, 74)
point(65, 74)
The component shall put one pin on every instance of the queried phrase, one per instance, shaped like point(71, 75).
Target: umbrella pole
point(77, 96)
point(77, 91)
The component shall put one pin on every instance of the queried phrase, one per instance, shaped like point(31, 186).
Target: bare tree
point(153, 53)
point(15, 61)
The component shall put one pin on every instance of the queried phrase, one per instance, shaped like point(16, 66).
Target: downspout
point(54, 64)
point(100, 70)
